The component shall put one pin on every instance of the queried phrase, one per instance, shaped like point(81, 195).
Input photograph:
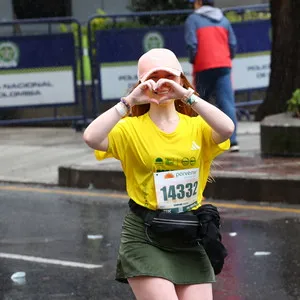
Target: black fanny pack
point(198, 226)
point(182, 226)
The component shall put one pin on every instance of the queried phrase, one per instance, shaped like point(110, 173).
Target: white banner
point(247, 73)
point(251, 72)
point(36, 88)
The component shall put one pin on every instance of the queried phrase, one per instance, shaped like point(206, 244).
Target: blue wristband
point(190, 101)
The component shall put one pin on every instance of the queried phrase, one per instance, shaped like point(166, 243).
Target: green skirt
point(141, 253)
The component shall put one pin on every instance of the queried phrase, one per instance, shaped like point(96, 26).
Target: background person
point(211, 45)
point(166, 156)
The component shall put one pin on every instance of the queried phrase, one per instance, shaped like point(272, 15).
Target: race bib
point(177, 191)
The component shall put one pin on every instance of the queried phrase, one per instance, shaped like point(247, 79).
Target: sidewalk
point(58, 156)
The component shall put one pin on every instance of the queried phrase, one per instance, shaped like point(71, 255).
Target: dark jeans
point(218, 82)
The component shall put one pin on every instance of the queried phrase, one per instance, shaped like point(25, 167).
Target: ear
point(181, 82)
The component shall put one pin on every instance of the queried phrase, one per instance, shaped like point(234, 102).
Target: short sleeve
point(117, 141)
point(211, 149)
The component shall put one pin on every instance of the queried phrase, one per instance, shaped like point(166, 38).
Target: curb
point(253, 187)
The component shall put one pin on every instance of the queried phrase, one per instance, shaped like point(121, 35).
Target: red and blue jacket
point(210, 39)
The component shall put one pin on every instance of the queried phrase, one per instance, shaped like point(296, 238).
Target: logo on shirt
point(159, 161)
point(167, 163)
point(195, 146)
point(189, 161)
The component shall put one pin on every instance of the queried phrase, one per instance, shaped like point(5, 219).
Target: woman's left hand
point(168, 89)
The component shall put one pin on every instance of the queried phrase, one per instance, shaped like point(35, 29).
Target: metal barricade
point(41, 71)
point(114, 53)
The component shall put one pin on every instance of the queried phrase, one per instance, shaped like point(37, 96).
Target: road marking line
point(256, 207)
point(124, 196)
point(61, 192)
point(49, 261)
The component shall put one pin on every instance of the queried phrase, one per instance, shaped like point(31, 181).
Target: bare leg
point(152, 288)
point(195, 291)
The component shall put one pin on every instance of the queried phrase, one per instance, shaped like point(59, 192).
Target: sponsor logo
point(185, 161)
point(169, 176)
point(159, 161)
point(170, 163)
point(186, 173)
point(193, 161)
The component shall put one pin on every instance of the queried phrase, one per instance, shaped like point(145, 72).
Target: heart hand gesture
point(169, 89)
point(143, 94)
point(157, 92)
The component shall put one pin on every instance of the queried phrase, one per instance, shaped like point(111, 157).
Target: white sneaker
point(234, 148)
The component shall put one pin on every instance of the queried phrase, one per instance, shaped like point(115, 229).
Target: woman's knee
point(152, 288)
point(195, 292)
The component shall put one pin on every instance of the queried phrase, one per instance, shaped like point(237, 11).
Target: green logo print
point(9, 55)
point(170, 161)
point(193, 161)
point(159, 161)
point(153, 40)
point(185, 161)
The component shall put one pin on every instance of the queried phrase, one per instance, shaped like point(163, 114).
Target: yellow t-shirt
point(144, 149)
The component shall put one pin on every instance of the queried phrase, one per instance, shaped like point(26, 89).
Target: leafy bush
point(247, 15)
point(294, 104)
point(161, 5)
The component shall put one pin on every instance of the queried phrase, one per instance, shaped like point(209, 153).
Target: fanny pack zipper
point(179, 222)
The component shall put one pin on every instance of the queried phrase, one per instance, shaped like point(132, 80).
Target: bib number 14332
point(180, 191)
point(177, 190)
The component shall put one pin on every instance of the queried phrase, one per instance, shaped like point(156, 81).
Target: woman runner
point(166, 138)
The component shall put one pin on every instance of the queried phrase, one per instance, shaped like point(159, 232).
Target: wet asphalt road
point(44, 232)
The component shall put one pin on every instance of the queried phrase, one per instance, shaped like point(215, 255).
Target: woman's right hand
point(142, 94)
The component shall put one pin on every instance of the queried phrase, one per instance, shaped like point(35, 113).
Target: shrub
point(294, 104)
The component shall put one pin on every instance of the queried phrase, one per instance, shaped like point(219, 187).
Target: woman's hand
point(157, 92)
point(168, 89)
point(142, 94)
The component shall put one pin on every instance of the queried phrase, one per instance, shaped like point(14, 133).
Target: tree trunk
point(285, 57)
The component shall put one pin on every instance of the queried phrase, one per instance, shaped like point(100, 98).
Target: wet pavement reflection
point(77, 235)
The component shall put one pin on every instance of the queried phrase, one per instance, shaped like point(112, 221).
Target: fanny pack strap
point(147, 215)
